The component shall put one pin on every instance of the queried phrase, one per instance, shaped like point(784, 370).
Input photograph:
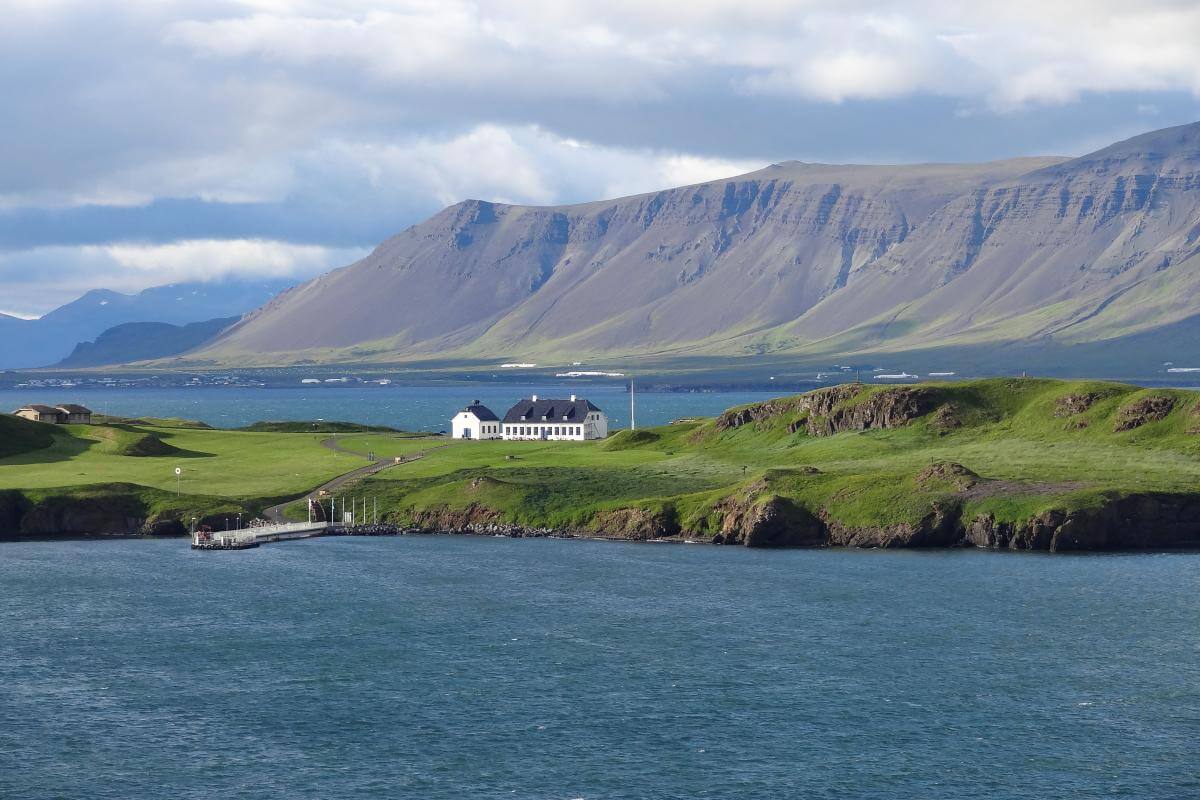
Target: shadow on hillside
point(64, 448)
point(67, 446)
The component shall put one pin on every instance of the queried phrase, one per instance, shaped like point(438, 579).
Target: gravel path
point(274, 514)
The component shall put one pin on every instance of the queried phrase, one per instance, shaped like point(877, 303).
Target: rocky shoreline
point(1053, 532)
point(1137, 522)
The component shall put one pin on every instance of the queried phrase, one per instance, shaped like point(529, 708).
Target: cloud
point(332, 124)
point(351, 191)
point(1005, 53)
point(40, 279)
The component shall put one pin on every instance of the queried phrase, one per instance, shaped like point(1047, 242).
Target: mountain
point(51, 338)
point(142, 341)
point(828, 260)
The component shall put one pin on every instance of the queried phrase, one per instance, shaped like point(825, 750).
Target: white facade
point(581, 422)
point(475, 422)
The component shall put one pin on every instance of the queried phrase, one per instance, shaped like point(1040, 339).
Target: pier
point(245, 538)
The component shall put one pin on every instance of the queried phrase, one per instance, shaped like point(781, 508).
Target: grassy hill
point(119, 477)
point(1028, 464)
point(19, 435)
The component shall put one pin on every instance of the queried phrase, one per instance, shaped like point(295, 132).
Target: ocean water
point(416, 408)
point(448, 667)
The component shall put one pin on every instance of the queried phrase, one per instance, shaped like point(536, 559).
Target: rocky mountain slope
point(795, 258)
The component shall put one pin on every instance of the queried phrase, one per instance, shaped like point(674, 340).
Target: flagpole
point(632, 415)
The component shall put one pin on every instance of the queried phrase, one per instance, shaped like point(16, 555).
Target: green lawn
point(220, 463)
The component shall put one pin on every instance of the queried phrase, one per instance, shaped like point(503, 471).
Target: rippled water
point(442, 667)
point(417, 408)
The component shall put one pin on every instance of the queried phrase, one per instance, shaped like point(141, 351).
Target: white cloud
point(121, 103)
point(40, 279)
point(1006, 53)
point(523, 165)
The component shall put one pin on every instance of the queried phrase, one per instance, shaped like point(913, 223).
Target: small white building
point(476, 421)
point(555, 420)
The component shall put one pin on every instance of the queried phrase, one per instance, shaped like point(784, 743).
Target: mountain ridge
point(802, 258)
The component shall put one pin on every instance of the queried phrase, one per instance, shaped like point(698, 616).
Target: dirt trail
point(275, 513)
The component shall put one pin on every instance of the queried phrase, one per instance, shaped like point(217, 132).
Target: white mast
point(632, 416)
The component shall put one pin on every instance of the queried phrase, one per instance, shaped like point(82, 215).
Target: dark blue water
point(416, 408)
point(492, 668)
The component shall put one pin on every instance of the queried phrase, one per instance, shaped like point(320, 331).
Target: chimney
point(534, 398)
point(572, 398)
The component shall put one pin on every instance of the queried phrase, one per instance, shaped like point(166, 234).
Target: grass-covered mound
point(156, 422)
point(19, 435)
point(126, 440)
point(316, 426)
point(622, 440)
point(1021, 463)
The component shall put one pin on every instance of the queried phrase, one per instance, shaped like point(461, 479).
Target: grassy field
point(132, 464)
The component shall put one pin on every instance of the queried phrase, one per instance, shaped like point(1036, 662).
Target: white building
point(555, 420)
point(476, 421)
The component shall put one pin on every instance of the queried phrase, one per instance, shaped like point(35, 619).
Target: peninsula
point(1025, 464)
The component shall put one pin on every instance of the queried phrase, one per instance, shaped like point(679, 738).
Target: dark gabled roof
point(481, 412)
point(553, 410)
point(72, 408)
point(40, 408)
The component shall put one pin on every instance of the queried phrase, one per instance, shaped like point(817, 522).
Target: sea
point(414, 408)
point(438, 667)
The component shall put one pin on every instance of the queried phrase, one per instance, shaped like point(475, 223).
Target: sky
point(152, 142)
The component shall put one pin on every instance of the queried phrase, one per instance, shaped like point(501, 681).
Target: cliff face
point(1085, 249)
point(1136, 522)
point(825, 412)
point(117, 509)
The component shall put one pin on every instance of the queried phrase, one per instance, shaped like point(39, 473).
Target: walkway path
point(275, 513)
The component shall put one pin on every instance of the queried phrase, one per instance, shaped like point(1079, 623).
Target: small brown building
point(75, 414)
point(66, 414)
point(39, 413)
